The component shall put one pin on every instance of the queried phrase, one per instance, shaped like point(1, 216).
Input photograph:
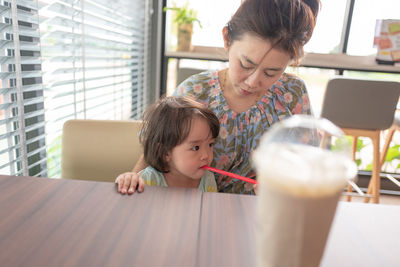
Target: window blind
point(78, 59)
point(22, 144)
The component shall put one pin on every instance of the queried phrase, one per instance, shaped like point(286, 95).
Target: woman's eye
point(244, 67)
point(269, 75)
point(195, 148)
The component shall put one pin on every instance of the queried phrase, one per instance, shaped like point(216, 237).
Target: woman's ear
point(227, 39)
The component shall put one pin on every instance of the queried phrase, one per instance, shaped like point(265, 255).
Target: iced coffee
point(300, 183)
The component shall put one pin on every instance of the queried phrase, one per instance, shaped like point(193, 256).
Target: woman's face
point(253, 65)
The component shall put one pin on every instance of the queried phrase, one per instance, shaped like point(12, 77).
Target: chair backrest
point(184, 73)
point(360, 104)
point(99, 149)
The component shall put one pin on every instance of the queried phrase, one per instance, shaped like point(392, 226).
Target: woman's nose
point(253, 80)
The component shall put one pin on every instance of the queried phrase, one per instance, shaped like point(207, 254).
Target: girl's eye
point(243, 66)
point(211, 144)
point(195, 148)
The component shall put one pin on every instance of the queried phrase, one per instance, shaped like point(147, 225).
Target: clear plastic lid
point(306, 155)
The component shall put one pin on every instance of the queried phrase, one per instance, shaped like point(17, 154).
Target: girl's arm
point(140, 164)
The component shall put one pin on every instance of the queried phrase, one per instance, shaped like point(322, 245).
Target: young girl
point(177, 135)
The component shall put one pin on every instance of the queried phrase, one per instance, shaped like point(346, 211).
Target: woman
point(262, 39)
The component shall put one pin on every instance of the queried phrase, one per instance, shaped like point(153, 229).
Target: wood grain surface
point(227, 230)
point(52, 222)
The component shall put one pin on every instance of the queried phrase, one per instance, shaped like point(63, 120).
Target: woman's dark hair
point(288, 24)
point(167, 124)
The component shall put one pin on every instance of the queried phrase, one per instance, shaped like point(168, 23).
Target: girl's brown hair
point(167, 124)
point(288, 24)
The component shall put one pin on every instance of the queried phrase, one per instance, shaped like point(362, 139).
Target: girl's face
point(253, 65)
point(186, 159)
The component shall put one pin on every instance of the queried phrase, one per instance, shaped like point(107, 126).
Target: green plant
point(184, 15)
point(338, 144)
point(392, 154)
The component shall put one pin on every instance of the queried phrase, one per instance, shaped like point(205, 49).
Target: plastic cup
point(302, 164)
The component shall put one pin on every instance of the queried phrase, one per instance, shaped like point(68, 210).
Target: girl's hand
point(128, 182)
point(255, 187)
point(253, 174)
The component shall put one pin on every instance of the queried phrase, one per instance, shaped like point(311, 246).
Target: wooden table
point(52, 222)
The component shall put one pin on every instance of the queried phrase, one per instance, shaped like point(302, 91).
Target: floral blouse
point(240, 133)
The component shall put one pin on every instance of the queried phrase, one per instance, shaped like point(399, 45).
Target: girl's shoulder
point(208, 183)
point(152, 177)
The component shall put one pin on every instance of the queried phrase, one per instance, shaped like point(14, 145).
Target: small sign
point(387, 40)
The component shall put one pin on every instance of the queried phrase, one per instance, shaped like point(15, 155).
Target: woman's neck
point(177, 180)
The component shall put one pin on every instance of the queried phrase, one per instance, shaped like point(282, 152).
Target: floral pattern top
point(240, 133)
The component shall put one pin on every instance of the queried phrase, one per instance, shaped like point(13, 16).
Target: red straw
point(252, 181)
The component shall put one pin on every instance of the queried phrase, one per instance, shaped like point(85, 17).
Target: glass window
point(362, 30)
point(180, 70)
point(372, 75)
point(328, 30)
point(213, 16)
point(212, 20)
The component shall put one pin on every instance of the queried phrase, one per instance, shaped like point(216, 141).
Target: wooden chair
point(362, 108)
point(395, 127)
point(99, 149)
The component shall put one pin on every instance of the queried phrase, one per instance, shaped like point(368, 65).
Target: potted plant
point(184, 18)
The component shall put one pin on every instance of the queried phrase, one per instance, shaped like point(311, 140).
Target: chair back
point(99, 149)
point(360, 104)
